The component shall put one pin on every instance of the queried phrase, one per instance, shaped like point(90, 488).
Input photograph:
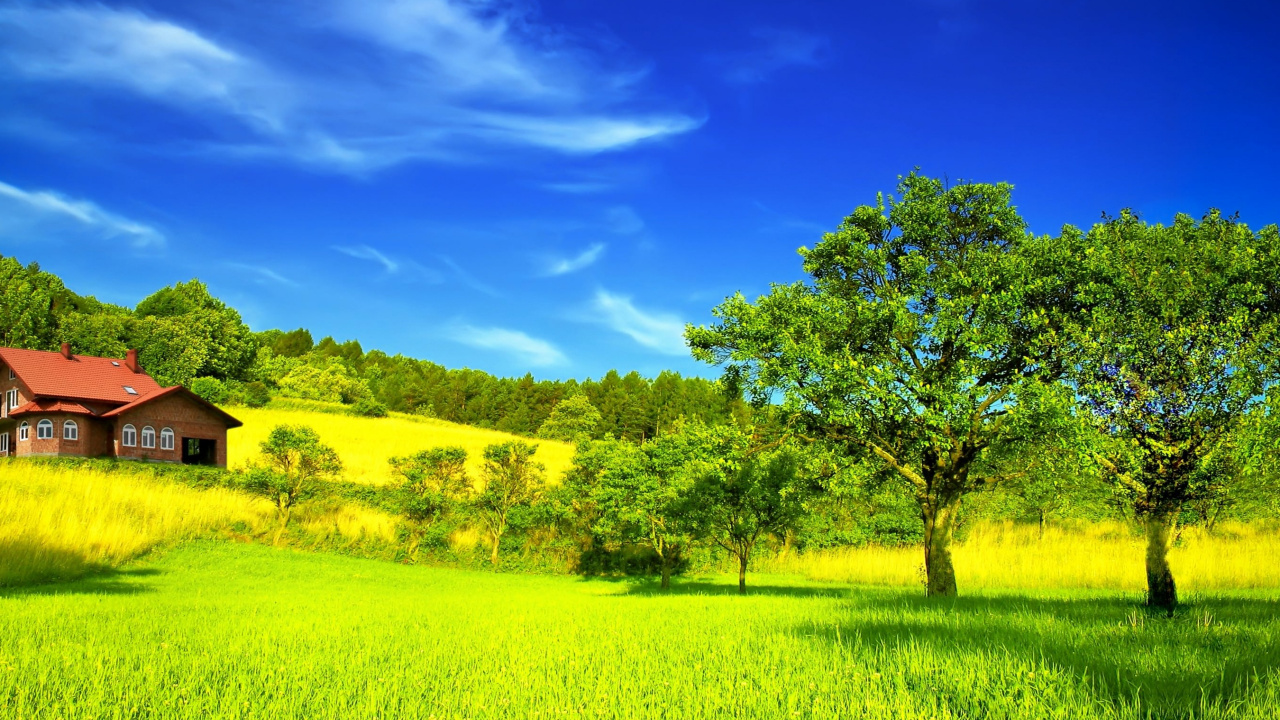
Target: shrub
point(368, 407)
point(255, 394)
point(211, 389)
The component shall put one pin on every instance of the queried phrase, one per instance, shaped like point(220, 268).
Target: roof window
point(129, 390)
point(113, 362)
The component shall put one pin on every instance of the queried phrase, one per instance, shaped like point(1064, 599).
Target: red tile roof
point(52, 405)
point(49, 374)
point(165, 392)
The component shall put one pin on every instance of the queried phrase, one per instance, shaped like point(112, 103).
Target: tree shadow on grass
point(35, 569)
point(1210, 651)
point(653, 587)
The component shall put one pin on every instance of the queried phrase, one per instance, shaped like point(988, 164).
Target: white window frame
point(10, 401)
point(166, 439)
point(12, 374)
point(43, 427)
point(129, 436)
point(4, 443)
point(70, 430)
point(24, 431)
point(149, 437)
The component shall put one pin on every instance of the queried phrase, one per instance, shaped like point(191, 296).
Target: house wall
point(188, 420)
point(89, 443)
point(24, 395)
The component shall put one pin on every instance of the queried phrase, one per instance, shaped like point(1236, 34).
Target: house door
point(198, 451)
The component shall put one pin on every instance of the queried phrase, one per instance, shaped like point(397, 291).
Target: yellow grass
point(365, 444)
point(1102, 555)
point(58, 523)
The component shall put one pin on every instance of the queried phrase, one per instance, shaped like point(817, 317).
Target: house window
point(10, 401)
point(11, 375)
point(24, 431)
point(44, 430)
point(166, 439)
point(4, 442)
point(129, 436)
point(70, 430)
point(129, 390)
point(148, 437)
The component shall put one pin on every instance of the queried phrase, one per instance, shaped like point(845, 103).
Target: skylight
point(130, 390)
point(113, 362)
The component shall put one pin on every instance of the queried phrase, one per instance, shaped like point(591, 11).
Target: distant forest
point(186, 336)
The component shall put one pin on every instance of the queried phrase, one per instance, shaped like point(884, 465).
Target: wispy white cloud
point(774, 49)
point(565, 266)
point(425, 79)
point(526, 349)
point(405, 269)
point(262, 275)
point(468, 279)
point(663, 332)
point(364, 252)
point(623, 220)
point(37, 208)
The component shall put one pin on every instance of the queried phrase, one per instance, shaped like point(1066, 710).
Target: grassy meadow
point(365, 444)
point(1097, 556)
point(221, 630)
point(60, 523)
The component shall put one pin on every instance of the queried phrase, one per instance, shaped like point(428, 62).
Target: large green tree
point(512, 479)
point(926, 322)
point(1178, 342)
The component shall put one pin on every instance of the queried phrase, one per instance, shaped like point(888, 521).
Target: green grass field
point(222, 630)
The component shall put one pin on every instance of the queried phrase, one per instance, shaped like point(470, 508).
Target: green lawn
point(216, 630)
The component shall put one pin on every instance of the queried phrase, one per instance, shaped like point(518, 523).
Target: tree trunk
point(1041, 524)
point(666, 572)
point(284, 522)
point(742, 574)
point(497, 538)
point(1161, 591)
point(940, 574)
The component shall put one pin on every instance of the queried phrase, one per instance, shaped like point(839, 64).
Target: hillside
point(365, 444)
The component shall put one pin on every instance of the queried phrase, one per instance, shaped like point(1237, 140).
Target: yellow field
point(365, 444)
point(57, 523)
point(60, 523)
point(1098, 556)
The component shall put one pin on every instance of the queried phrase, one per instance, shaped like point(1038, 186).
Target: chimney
point(131, 361)
point(66, 350)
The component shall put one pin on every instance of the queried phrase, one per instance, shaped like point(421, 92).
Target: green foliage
point(744, 492)
point(512, 479)
point(435, 481)
point(572, 418)
point(254, 394)
point(334, 382)
point(183, 332)
point(294, 343)
point(295, 461)
point(926, 320)
point(369, 407)
point(211, 389)
point(1176, 344)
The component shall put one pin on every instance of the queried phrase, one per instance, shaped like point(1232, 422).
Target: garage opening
point(198, 451)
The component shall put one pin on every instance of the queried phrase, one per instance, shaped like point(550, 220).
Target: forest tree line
point(186, 336)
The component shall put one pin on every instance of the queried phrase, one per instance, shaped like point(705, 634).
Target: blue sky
point(559, 187)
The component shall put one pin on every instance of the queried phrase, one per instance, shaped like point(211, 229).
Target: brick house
point(59, 404)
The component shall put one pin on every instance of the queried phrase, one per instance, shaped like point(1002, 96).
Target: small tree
point(511, 479)
point(1177, 345)
point(573, 418)
point(741, 496)
point(435, 481)
point(295, 460)
point(643, 494)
